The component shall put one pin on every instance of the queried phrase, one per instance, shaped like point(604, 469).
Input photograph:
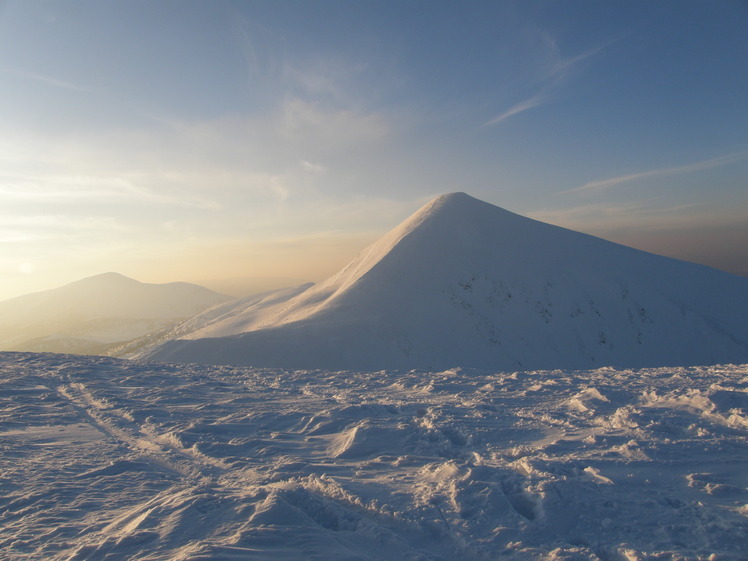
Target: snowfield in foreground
point(104, 459)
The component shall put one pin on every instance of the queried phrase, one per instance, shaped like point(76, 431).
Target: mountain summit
point(465, 283)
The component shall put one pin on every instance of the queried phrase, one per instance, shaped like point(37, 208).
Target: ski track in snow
point(105, 459)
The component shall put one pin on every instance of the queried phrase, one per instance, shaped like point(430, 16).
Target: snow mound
point(463, 282)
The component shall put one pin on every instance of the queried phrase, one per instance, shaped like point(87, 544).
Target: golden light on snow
point(26, 268)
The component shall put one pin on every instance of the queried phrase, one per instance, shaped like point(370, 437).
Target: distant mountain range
point(96, 314)
point(465, 283)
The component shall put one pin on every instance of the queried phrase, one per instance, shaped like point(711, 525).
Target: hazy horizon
point(246, 146)
point(245, 286)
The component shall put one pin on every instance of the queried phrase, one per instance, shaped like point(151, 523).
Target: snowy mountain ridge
point(465, 283)
point(92, 314)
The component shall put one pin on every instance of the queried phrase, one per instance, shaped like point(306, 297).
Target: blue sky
point(247, 145)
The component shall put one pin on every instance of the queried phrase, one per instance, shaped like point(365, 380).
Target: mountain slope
point(90, 315)
point(463, 282)
point(228, 318)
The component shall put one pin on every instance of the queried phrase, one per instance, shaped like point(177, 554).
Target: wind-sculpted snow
point(104, 459)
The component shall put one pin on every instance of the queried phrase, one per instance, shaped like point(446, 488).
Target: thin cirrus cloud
point(309, 123)
point(312, 167)
point(603, 184)
point(521, 107)
point(49, 80)
point(553, 77)
point(91, 189)
point(609, 216)
point(198, 164)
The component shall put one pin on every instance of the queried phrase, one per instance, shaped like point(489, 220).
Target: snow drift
point(465, 283)
point(105, 459)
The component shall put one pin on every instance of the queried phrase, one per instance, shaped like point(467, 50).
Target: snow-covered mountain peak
point(456, 206)
point(110, 276)
point(463, 282)
point(446, 230)
point(451, 213)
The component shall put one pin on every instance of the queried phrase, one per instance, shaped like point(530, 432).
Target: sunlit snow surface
point(104, 459)
point(466, 283)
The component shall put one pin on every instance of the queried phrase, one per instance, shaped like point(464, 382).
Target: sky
point(249, 145)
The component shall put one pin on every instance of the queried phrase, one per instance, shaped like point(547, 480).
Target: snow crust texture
point(104, 459)
point(465, 283)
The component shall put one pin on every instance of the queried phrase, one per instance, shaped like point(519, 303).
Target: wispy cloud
point(552, 77)
point(521, 107)
point(312, 167)
point(93, 189)
point(256, 170)
point(323, 127)
point(603, 184)
point(611, 216)
point(663, 229)
point(564, 66)
point(50, 80)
